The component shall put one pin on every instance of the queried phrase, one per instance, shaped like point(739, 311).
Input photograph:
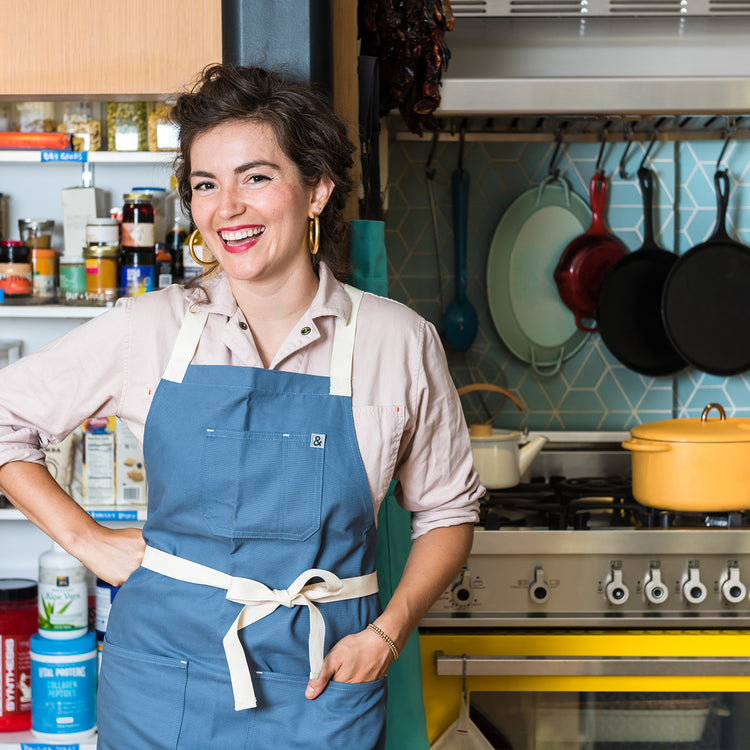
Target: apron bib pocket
point(344, 716)
point(137, 692)
point(291, 469)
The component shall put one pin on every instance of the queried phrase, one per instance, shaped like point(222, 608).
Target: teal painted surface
point(592, 390)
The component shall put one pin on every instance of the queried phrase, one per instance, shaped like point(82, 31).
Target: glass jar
point(36, 117)
point(72, 289)
point(158, 198)
point(36, 232)
point(102, 231)
point(18, 622)
point(137, 271)
point(83, 121)
point(137, 229)
point(163, 134)
point(102, 287)
point(127, 128)
point(15, 271)
point(44, 270)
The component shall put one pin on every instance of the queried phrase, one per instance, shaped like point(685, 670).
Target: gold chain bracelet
point(391, 645)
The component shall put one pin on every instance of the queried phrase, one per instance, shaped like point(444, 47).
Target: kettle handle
point(495, 389)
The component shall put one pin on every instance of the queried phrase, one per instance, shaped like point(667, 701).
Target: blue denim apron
point(260, 557)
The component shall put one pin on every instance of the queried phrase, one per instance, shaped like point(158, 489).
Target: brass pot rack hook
point(554, 171)
point(461, 141)
point(429, 170)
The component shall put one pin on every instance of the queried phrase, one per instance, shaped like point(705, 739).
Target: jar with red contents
point(18, 622)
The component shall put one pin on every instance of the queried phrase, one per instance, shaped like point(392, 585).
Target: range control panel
point(613, 578)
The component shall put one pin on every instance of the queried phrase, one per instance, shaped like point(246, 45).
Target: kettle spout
point(529, 452)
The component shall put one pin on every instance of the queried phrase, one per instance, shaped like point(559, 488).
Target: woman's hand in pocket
point(359, 657)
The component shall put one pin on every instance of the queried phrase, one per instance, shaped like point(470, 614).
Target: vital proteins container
point(63, 688)
point(18, 623)
point(63, 596)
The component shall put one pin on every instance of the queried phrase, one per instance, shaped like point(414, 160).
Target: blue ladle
point(460, 315)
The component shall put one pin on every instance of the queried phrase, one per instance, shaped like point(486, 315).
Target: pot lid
point(486, 432)
point(708, 428)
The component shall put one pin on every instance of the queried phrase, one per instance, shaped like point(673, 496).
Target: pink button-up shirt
point(407, 416)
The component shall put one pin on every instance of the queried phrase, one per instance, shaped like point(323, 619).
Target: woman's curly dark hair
point(308, 131)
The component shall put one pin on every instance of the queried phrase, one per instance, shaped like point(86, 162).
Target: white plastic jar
point(63, 595)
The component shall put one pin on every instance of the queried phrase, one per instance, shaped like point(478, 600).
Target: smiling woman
point(270, 438)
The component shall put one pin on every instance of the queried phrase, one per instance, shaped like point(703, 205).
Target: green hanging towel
point(407, 728)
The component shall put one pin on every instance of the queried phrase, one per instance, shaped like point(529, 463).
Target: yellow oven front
point(634, 662)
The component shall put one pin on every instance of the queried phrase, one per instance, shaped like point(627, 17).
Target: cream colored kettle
point(498, 455)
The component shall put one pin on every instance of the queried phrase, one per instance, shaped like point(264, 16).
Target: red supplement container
point(18, 622)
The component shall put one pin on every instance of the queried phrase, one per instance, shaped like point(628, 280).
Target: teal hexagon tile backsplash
point(591, 390)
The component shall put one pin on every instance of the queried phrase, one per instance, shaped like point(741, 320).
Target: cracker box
point(131, 470)
point(99, 461)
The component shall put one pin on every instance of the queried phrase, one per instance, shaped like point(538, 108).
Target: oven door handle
point(591, 666)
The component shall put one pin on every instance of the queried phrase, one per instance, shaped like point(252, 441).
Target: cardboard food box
point(131, 470)
point(99, 461)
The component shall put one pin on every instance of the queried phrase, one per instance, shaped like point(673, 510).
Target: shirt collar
point(215, 295)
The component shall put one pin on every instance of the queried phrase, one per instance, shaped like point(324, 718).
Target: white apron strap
point(343, 347)
point(259, 601)
point(185, 344)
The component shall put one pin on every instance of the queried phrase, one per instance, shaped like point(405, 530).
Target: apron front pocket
point(344, 716)
point(263, 485)
point(140, 700)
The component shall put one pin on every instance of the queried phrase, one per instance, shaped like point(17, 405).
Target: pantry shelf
point(51, 311)
point(11, 156)
point(136, 513)
point(27, 741)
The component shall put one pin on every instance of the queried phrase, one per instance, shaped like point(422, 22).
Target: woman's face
point(249, 203)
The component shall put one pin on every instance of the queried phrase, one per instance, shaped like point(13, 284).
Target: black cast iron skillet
point(628, 310)
point(706, 299)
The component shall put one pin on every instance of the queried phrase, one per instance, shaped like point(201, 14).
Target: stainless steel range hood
point(598, 57)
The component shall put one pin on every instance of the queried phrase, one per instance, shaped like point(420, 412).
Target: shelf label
point(114, 515)
point(53, 155)
point(37, 746)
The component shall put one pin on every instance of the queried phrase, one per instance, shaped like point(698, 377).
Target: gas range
point(570, 547)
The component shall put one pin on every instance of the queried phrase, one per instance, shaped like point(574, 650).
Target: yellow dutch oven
point(700, 464)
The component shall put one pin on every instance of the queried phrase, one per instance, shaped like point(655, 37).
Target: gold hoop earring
point(313, 234)
point(191, 240)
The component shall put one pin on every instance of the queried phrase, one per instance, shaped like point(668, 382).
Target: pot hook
point(484, 429)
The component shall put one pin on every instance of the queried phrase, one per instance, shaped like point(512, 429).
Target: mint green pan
point(526, 308)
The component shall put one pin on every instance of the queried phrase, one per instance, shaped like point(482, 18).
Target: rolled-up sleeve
point(45, 395)
point(435, 469)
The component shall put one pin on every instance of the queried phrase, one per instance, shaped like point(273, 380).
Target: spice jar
point(36, 232)
point(101, 274)
point(18, 622)
point(102, 231)
point(44, 270)
point(15, 270)
point(72, 289)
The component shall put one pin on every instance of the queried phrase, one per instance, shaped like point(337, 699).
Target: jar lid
point(101, 251)
point(101, 221)
point(13, 251)
point(17, 589)
point(708, 428)
point(44, 252)
point(67, 260)
point(63, 647)
point(137, 197)
point(149, 189)
point(36, 224)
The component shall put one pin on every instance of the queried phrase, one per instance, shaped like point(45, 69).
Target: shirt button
point(306, 330)
point(243, 325)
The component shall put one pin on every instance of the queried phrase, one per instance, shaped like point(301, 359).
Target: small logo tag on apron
point(317, 441)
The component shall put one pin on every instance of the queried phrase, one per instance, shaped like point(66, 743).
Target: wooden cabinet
point(100, 49)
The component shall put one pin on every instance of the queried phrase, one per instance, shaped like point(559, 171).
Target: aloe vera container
point(63, 595)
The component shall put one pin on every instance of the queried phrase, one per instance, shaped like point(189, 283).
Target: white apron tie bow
point(259, 601)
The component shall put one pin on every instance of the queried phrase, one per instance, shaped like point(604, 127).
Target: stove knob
point(694, 591)
point(539, 589)
point(656, 591)
point(461, 593)
point(733, 590)
point(617, 592)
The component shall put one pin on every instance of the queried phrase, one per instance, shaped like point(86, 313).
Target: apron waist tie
point(259, 601)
